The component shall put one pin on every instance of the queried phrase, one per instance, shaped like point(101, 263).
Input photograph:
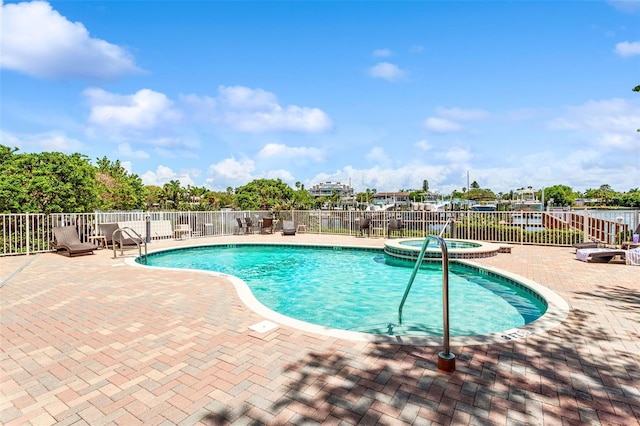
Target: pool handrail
point(447, 358)
point(137, 239)
point(444, 228)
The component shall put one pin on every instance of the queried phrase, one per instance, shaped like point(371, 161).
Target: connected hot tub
point(409, 248)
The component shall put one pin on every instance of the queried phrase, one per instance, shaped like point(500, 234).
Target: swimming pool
point(359, 290)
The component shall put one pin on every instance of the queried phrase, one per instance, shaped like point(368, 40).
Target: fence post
point(585, 225)
point(28, 242)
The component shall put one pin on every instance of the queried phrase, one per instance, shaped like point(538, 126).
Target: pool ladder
point(446, 360)
point(137, 238)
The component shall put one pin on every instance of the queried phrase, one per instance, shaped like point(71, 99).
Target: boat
point(484, 208)
point(527, 201)
point(379, 207)
point(429, 206)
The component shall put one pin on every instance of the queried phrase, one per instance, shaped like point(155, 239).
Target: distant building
point(327, 189)
point(397, 198)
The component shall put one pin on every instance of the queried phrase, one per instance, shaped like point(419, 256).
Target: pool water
point(451, 244)
point(360, 290)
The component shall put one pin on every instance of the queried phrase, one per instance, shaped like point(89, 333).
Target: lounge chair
point(121, 239)
point(395, 225)
point(67, 242)
point(588, 244)
point(601, 255)
point(267, 225)
point(288, 227)
point(182, 231)
point(632, 257)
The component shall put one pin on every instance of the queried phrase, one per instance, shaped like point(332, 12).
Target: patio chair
point(395, 225)
point(67, 242)
point(121, 239)
point(630, 244)
point(267, 225)
point(249, 224)
point(288, 227)
point(365, 225)
point(241, 227)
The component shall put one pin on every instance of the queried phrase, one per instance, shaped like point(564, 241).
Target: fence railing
point(32, 233)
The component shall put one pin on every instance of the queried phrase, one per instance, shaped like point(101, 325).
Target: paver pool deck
point(92, 340)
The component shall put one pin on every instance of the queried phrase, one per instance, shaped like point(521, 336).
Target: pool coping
point(557, 308)
point(396, 248)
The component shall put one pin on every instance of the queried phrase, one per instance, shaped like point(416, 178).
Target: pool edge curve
point(557, 308)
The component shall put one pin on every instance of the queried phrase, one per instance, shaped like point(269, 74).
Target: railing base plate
point(446, 362)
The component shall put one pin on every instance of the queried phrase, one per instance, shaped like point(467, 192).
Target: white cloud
point(145, 109)
point(382, 53)
point(244, 98)
point(609, 124)
point(257, 111)
point(60, 143)
point(164, 174)
point(441, 125)
point(629, 6)
point(462, 114)
point(385, 179)
point(49, 141)
point(233, 173)
point(281, 174)
point(626, 48)
point(377, 155)
point(284, 152)
point(232, 170)
point(38, 41)
point(387, 71)
point(127, 166)
point(446, 119)
point(459, 157)
point(124, 150)
point(423, 145)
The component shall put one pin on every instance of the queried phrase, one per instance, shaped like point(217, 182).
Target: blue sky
point(377, 94)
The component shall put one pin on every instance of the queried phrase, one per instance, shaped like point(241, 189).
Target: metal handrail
point(136, 239)
point(445, 287)
point(444, 228)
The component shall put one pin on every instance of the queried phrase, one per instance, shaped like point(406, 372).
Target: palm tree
point(173, 192)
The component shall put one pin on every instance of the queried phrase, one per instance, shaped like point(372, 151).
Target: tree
point(420, 195)
point(425, 185)
point(562, 195)
point(303, 199)
point(173, 193)
point(265, 194)
point(117, 188)
point(630, 198)
point(154, 196)
point(47, 182)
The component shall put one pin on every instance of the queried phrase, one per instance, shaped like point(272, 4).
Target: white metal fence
point(31, 233)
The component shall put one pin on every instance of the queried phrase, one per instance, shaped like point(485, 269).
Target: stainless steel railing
point(446, 350)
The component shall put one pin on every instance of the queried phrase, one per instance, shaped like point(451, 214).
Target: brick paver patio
point(91, 340)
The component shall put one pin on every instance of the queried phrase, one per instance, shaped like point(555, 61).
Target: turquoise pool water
point(451, 244)
point(360, 290)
